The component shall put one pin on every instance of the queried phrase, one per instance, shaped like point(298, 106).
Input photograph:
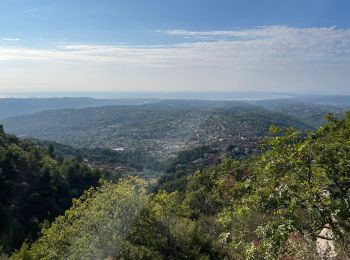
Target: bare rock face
point(325, 246)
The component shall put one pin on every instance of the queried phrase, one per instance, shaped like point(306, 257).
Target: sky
point(284, 46)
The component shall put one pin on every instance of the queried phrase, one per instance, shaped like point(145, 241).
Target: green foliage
point(300, 185)
point(271, 206)
point(96, 225)
point(35, 187)
point(183, 165)
point(166, 231)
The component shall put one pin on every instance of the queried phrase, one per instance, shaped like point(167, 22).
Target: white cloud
point(279, 41)
point(11, 39)
point(266, 57)
point(274, 43)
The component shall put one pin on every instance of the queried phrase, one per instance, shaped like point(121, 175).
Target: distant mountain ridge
point(340, 101)
point(162, 128)
point(11, 107)
point(308, 112)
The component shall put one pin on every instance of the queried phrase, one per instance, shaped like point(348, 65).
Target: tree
point(300, 185)
point(97, 224)
point(34, 188)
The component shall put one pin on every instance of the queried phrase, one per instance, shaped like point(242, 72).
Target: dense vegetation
point(123, 163)
point(36, 186)
point(271, 206)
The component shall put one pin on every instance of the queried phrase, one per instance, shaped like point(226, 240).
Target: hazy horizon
point(141, 46)
point(191, 95)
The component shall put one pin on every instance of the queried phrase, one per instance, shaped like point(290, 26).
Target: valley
point(144, 139)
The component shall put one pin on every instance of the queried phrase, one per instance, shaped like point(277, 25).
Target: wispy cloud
point(239, 34)
point(232, 48)
point(11, 39)
point(271, 58)
point(31, 10)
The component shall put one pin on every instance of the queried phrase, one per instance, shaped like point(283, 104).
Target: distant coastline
point(160, 95)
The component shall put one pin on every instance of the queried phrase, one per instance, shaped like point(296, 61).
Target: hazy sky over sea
point(184, 45)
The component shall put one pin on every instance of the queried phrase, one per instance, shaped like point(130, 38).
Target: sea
point(213, 95)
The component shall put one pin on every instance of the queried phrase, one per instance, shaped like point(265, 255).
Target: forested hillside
point(312, 114)
point(36, 186)
point(282, 204)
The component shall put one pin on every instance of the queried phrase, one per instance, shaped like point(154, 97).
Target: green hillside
point(160, 129)
point(276, 205)
point(36, 186)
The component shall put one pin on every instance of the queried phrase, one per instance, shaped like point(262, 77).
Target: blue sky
point(84, 45)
